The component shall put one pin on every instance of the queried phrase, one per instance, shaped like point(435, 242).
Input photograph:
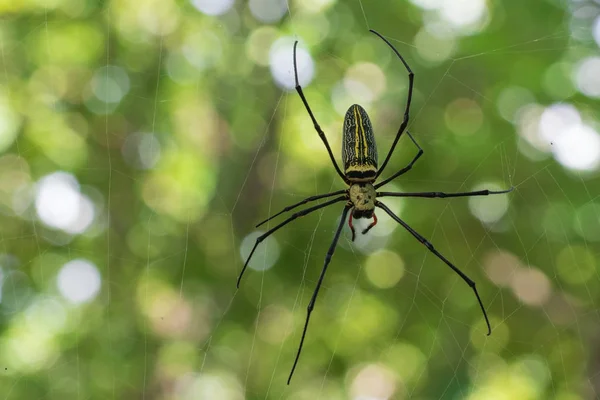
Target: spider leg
point(290, 219)
point(404, 124)
point(442, 195)
point(372, 224)
point(308, 199)
point(314, 120)
point(405, 169)
point(313, 299)
point(351, 227)
point(430, 247)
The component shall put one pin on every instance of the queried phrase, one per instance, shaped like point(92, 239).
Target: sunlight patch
point(60, 204)
point(501, 266)
point(521, 380)
point(463, 16)
point(266, 253)
point(557, 119)
point(407, 361)
point(268, 11)
point(463, 116)
point(208, 386)
point(259, 43)
point(489, 209)
point(559, 129)
point(373, 382)
point(588, 78)
point(9, 123)
point(384, 269)
point(575, 265)
point(30, 344)
point(157, 17)
point(281, 62)
point(110, 84)
point(79, 281)
point(364, 81)
point(578, 148)
point(202, 49)
point(274, 324)
point(432, 48)
point(213, 7)
point(531, 286)
point(141, 150)
point(511, 99)
point(463, 12)
point(315, 6)
point(596, 30)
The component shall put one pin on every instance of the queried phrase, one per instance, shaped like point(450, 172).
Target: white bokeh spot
point(596, 30)
point(110, 84)
point(489, 209)
point(60, 205)
point(587, 76)
point(557, 119)
point(281, 63)
point(141, 150)
point(578, 148)
point(213, 7)
point(78, 281)
point(268, 11)
point(264, 256)
point(573, 143)
point(9, 123)
point(463, 12)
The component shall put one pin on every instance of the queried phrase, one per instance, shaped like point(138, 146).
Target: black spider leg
point(443, 195)
point(405, 169)
point(311, 305)
point(411, 78)
point(314, 120)
point(308, 199)
point(290, 219)
point(430, 247)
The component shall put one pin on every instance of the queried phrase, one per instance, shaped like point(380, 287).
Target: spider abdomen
point(359, 151)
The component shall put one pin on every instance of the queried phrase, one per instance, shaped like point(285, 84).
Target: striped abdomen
point(359, 151)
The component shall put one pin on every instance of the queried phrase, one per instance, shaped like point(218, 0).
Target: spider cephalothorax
point(359, 156)
point(362, 196)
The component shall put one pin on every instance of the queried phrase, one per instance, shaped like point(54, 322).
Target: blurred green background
point(141, 141)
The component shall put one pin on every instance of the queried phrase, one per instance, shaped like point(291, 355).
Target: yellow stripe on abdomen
point(356, 137)
point(364, 136)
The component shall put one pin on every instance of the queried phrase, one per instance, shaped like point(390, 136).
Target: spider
point(359, 156)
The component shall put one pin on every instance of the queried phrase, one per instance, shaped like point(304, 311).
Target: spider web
point(250, 336)
point(452, 354)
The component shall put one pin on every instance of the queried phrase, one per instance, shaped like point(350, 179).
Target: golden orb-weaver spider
point(359, 156)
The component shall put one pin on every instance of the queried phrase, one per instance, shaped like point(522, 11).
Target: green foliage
point(141, 141)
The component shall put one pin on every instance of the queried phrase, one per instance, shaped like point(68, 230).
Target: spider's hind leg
point(351, 227)
point(371, 225)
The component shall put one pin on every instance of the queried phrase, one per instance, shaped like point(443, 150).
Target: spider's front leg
point(404, 124)
point(281, 225)
point(314, 120)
